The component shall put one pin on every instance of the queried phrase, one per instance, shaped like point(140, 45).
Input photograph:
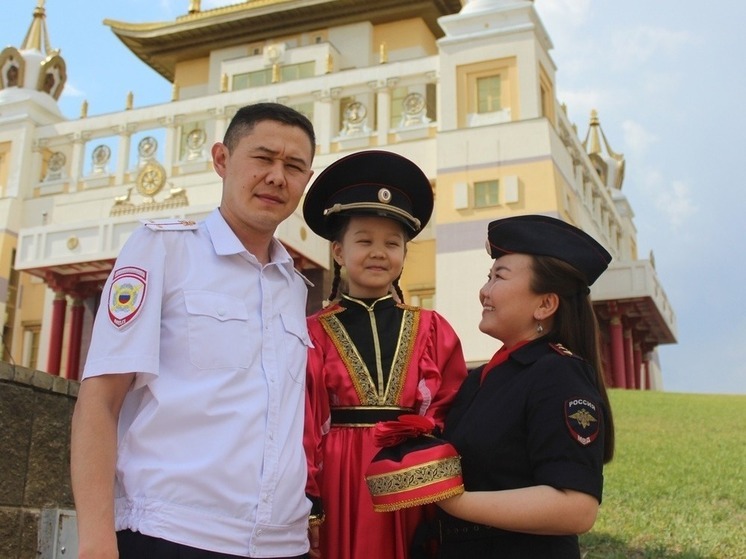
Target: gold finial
point(194, 6)
point(383, 55)
point(329, 63)
point(175, 92)
point(275, 73)
point(84, 109)
point(594, 117)
point(223, 83)
point(37, 37)
point(130, 99)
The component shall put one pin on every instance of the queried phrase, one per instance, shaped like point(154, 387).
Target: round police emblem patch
point(126, 294)
point(582, 420)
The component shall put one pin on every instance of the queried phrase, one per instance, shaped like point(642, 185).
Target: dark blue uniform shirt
point(536, 419)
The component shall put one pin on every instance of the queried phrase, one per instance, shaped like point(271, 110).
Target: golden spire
point(194, 6)
point(329, 63)
point(593, 141)
point(37, 35)
point(383, 55)
point(597, 146)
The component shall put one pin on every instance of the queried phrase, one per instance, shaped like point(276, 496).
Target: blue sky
point(669, 82)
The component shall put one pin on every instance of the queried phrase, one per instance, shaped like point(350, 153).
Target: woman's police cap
point(547, 236)
point(376, 183)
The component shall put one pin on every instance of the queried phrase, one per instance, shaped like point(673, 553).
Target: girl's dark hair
point(575, 325)
point(338, 228)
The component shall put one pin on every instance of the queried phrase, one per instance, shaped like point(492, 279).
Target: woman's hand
point(451, 504)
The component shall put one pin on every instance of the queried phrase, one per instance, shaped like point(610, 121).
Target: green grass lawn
point(676, 487)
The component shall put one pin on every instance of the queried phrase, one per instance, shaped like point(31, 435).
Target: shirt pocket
point(298, 343)
point(219, 330)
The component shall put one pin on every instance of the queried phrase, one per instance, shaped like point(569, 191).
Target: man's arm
point(93, 460)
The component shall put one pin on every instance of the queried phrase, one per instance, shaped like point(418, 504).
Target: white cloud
point(210, 4)
point(676, 203)
point(71, 91)
point(561, 14)
point(637, 138)
point(640, 44)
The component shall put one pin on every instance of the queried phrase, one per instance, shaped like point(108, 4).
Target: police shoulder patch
point(170, 224)
point(307, 281)
point(583, 419)
point(126, 294)
point(562, 350)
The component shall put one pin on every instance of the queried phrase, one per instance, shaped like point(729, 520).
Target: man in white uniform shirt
point(187, 433)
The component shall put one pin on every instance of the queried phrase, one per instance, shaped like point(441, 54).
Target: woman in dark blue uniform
point(534, 425)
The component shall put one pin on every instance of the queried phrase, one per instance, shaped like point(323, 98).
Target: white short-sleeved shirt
point(210, 437)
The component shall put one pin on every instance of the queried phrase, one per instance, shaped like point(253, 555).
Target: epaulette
point(309, 283)
point(562, 350)
point(170, 224)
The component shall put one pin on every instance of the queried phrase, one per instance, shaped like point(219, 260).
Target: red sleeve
point(317, 418)
point(443, 368)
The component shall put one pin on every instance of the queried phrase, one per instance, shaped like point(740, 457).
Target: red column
point(637, 352)
point(58, 327)
point(617, 352)
point(646, 371)
point(76, 333)
point(629, 359)
point(606, 361)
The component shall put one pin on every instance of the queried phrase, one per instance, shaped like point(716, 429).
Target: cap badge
point(384, 196)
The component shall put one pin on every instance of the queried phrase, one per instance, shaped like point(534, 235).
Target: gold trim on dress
point(358, 371)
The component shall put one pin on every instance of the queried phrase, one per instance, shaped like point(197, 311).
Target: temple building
point(464, 88)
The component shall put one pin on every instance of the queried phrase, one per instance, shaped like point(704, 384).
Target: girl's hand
point(313, 539)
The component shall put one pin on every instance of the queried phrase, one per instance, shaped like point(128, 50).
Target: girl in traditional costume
point(374, 358)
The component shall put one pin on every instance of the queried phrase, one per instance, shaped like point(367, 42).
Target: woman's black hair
point(575, 325)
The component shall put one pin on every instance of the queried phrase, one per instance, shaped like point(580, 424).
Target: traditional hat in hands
point(413, 468)
point(372, 182)
point(547, 236)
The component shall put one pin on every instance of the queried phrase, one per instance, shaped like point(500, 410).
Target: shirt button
point(221, 311)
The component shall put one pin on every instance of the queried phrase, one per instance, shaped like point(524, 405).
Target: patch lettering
point(126, 294)
point(582, 420)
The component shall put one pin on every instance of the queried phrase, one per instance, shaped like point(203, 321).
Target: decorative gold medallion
point(151, 178)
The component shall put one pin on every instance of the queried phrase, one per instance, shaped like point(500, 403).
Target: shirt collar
point(225, 242)
point(368, 304)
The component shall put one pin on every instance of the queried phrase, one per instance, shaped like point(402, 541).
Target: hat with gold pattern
point(413, 468)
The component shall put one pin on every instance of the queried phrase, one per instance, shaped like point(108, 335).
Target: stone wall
point(35, 413)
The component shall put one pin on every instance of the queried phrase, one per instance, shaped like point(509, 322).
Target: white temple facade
point(467, 92)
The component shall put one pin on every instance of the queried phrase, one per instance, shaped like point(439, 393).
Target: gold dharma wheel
point(151, 179)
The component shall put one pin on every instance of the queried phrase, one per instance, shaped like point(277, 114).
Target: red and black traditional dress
point(372, 360)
